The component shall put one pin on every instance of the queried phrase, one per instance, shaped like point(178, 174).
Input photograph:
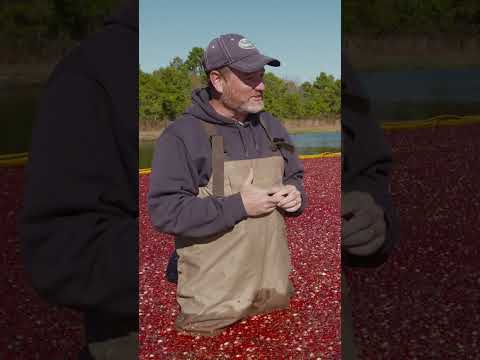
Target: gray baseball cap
point(237, 52)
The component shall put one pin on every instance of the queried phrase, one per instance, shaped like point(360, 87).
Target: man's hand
point(256, 201)
point(288, 198)
point(363, 224)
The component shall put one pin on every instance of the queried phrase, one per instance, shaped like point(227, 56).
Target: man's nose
point(260, 86)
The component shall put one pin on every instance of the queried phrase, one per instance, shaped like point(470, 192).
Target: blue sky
point(304, 34)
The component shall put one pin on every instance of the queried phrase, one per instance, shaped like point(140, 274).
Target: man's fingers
point(277, 193)
point(289, 198)
point(294, 207)
point(350, 205)
point(289, 204)
point(280, 196)
point(288, 194)
point(367, 249)
point(355, 201)
point(379, 229)
point(268, 207)
point(356, 223)
point(358, 238)
point(364, 231)
point(270, 201)
point(365, 235)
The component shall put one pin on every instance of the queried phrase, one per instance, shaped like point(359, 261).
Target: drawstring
point(252, 131)
point(243, 140)
point(252, 134)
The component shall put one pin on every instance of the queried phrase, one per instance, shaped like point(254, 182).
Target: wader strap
point(217, 158)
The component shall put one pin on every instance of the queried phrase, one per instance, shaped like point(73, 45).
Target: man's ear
point(217, 81)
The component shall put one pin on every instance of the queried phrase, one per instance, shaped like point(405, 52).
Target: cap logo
point(246, 44)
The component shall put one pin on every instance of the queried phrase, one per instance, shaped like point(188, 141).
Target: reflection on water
point(306, 144)
point(308, 140)
point(420, 94)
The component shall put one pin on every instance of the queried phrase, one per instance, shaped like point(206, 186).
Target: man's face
point(243, 92)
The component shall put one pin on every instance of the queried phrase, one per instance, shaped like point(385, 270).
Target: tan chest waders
point(230, 276)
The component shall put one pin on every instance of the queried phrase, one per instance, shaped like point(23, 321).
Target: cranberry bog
point(308, 329)
point(420, 304)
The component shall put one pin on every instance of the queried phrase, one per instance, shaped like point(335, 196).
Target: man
point(369, 223)
point(222, 176)
point(79, 225)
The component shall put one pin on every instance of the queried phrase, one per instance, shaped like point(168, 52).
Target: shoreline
point(292, 128)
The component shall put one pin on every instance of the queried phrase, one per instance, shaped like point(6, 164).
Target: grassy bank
point(293, 127)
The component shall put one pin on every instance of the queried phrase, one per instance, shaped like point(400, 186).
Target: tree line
point(37, 29)
point(166, 92)
point(411, 16)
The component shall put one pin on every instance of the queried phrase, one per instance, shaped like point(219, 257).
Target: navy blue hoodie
point(367, 163)
point(79, 225)
point(182, 164)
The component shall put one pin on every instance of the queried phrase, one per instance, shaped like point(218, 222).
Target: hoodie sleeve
point(367, 168)
point(366, 165)
point(79, 236)
point(172, 199)
point(294, 173)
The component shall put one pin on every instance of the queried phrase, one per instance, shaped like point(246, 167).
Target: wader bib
point(229, 276)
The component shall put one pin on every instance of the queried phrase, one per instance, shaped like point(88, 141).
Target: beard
point(250, 106)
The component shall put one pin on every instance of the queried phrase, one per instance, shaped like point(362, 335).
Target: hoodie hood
point(202, 109)
point(126, 14)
